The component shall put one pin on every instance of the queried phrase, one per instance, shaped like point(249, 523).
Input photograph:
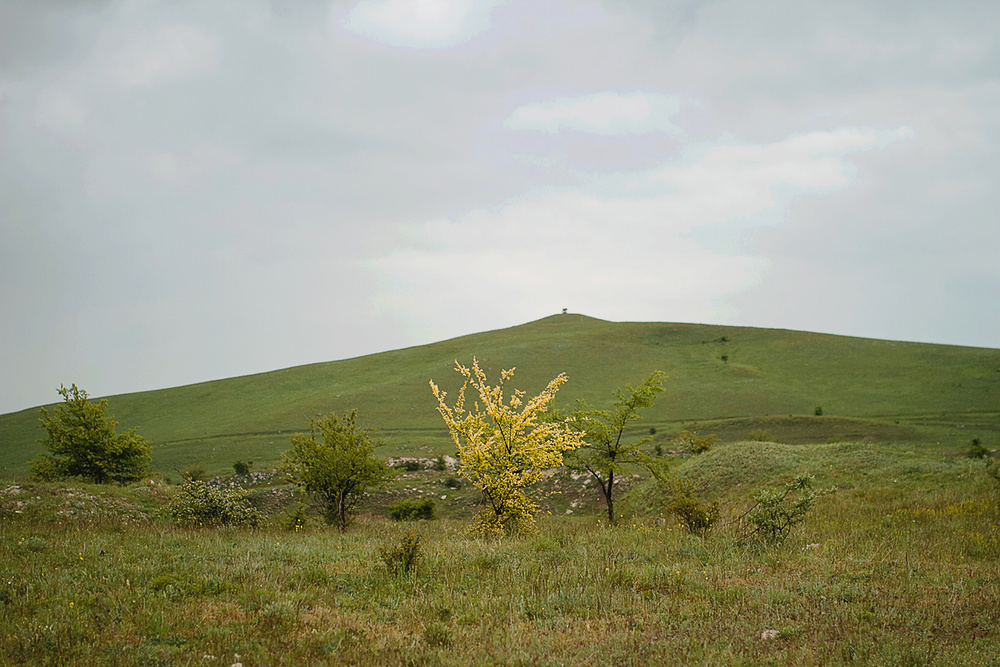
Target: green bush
point(194, 473)
point(698, 517)
point(197, 503)
point(405, 556)
point(453, 483)
point(412, 510)
point(437, 633)
point(774, 513)
point(977, 451)
point(439, 464)
point(242, 468)
point(296, 519)
point(409, 466)
point(993, 470)
point(692, 443)
point(82, 441)
point(335, 464)
point(761, 435)
point(277, 618)
point(36, 544)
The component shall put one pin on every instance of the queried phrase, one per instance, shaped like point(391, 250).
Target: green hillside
point(723, 379)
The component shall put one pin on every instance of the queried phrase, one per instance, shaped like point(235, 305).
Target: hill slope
point(721, 378)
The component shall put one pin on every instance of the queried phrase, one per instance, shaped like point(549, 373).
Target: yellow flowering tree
point(504, 446)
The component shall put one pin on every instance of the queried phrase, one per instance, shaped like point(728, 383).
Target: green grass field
point(898, 567)
point(772, 380)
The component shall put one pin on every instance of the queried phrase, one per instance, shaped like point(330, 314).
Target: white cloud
point(621, 257)
point(419, 23)
point(603, 113)
point(58, 109)
point(170, 51)
point(188, 167)
point(615, 258)
point(732, 181)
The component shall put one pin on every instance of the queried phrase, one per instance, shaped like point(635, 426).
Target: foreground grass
point(897, 570)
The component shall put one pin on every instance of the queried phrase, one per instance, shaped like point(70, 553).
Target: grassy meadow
point(899, 566)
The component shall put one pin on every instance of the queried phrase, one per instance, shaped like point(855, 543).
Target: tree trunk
point(342, 519)
point(609, 497)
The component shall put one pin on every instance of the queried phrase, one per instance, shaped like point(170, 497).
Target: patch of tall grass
point(898, 567)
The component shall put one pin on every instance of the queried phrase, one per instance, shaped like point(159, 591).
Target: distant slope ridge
point(715, 372)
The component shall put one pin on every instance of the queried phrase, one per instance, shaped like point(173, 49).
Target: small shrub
point(437, 633)
point(774, 513)
point(453, 483)
point(697, 516)
point(977, 451)
point(993, 470)
point(405, 556)
point(761, 435)
point(165, 582)
point(242, 468)
point(36, 544)
point(439, 464)
point(658, 449)
point(692, 443)
point(409, 466)
point(194, 473)
point(277, 617)
point(197, 503)
point(296, 519)
point(652, 430)
point(412, 510)
point(818, 411)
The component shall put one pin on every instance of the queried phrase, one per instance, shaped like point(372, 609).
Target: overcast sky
point(197, 190)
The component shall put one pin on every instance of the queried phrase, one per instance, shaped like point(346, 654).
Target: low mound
point(745, 464)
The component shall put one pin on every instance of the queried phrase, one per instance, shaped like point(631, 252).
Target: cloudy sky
point(196, 190)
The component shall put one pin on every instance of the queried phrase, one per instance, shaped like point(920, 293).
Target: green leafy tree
point(83, 442)
point(607, 451)
point(504, 445)
point(337, 467)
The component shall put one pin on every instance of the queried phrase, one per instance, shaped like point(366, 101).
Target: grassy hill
point(723, 379)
